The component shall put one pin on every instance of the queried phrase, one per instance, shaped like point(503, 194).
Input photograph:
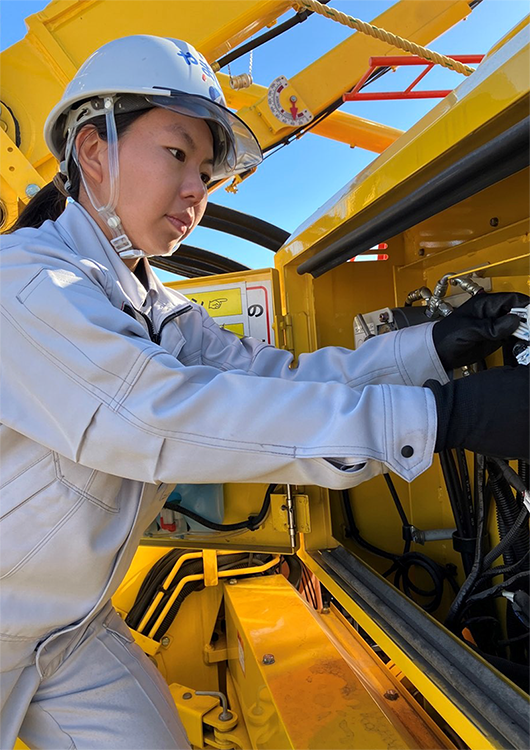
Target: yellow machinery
point(342, 658)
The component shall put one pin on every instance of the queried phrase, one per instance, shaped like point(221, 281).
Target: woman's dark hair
point(50, 202)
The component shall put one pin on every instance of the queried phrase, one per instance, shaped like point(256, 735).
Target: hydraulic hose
point(193, 261)
point(507, 511)
point(243, 225)
point(454, 611)
point(263, 38)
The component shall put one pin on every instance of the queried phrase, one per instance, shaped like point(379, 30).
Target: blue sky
point(298, 179)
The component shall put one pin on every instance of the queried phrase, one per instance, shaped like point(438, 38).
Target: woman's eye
point(177, 153)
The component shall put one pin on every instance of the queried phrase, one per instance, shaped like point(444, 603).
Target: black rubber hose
point(252, 522)
point(467, 499)
point(353, 532)
point(524, 472)
point(507, 511)
point(194, 261)
point(189, 568)
point(243, 225)
point(150, 585)
point(267, 36)
point(230, 562)
point(455, 609)
point(454, 491)
point(401, 564)
point(508, 539)
point(504, 507)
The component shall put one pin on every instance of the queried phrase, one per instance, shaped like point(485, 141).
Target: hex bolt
point(32, 189)
point(268, 659)
point(494, 221)
point(165, 641)
point(391, 695)
point(186, 696)
point(232, 581)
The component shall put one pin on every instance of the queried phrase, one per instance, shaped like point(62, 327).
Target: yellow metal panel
point(16, 169)
point(490, 96)
point(339, 126)
point(421, 680)
point(192, 710)
point(384, 684)
point(148, 645)
point(36, 70)
point(209, 562)
point(336, 72)
point(296, 686)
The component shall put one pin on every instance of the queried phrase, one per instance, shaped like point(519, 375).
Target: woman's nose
point(193, 187)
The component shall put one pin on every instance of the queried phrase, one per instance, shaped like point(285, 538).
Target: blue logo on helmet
point(215, 94)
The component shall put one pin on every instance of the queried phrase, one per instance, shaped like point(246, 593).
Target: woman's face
point(165, 163)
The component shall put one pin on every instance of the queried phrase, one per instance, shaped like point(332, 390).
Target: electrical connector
point(521, 350)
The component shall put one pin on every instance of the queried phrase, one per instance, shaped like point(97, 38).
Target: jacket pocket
point(96, 486)
point(34, 507)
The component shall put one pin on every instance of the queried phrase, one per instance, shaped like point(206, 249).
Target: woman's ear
point(92, 155)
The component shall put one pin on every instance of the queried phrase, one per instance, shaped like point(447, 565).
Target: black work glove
point(487, 413)
point(477, 328)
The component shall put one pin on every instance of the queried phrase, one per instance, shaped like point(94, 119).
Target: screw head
point(232, 581)
point(268, 659)
point(293, 99)
point(165, 641)
point(32, 189)
point(494, 221)
point(421, 252)
point(186, 696)
point(391, 695)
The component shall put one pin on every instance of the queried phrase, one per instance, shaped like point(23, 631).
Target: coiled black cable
point(402, 564)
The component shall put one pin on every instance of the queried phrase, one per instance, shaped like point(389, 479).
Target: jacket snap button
point(407, 451)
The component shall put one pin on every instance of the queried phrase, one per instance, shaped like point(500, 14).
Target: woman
point(115, 388)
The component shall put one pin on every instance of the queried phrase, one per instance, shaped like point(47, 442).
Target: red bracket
point(380, 62)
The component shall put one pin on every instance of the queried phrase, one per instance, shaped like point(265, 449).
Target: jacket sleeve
point(404, 357)
point(80, 377)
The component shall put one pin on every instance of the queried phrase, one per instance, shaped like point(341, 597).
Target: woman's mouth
point(178, 224)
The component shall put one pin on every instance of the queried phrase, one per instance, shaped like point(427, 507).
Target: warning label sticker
point(245, 308)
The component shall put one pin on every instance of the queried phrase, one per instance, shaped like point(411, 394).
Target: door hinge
point(285, 332)
point(290, 513)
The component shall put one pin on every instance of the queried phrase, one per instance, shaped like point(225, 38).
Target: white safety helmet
point(139, 72)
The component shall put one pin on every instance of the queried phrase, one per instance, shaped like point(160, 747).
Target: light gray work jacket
point(102, 409)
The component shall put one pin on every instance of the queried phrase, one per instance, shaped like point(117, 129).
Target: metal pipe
point(421, 536)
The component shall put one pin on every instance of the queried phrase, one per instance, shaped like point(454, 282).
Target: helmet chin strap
point(119, 240)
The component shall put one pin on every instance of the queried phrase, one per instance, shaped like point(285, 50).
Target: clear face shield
point(235, 147)
point(119, 240)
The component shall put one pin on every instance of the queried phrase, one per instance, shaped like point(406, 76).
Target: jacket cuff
point(410, 428)
point(416, 355)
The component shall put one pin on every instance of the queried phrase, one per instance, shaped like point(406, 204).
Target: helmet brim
point(236, 147)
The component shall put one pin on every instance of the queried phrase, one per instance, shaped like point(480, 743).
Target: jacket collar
point(86, 239)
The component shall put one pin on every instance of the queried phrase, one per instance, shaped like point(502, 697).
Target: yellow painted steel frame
point(305, 680)
point(36, 70)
